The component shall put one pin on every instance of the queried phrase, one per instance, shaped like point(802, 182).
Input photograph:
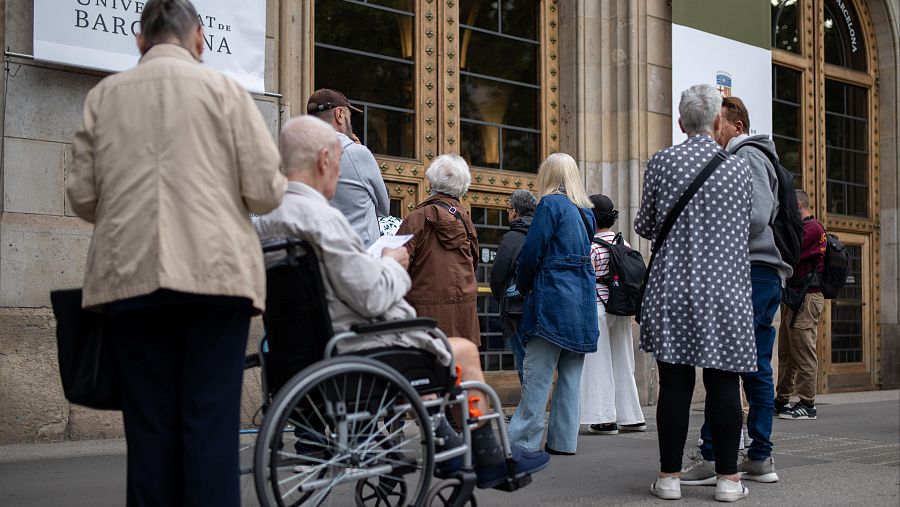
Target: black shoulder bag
point(676, 210)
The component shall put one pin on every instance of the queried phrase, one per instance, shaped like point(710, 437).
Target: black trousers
point(723, 414)
point(182, 368)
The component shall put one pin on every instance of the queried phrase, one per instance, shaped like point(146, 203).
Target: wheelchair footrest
point(513, 483)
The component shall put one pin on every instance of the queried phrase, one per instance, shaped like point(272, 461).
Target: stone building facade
point(597, 78)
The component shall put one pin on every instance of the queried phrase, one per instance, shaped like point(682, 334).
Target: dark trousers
point(723, 414)
point(182, 368)
point(758, 384)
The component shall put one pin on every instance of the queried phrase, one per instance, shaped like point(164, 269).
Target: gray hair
point(162, 19)
point(301, 140)
point(698, 108)
point(449, 174)
point(523, 202)
point(802, 199)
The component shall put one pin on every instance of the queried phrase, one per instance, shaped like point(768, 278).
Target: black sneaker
point(781, 408)
point(799, 411)
point(604, 429)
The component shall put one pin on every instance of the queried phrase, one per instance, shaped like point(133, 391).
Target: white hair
point(301, 140)
point(698, 108)
point(449, 174)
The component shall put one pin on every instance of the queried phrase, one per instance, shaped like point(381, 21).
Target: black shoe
point(800, 411)
point(604, 429)
point(557, 453)
point(781, 408)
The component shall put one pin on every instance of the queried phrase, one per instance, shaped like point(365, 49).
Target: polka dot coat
point(697, 308)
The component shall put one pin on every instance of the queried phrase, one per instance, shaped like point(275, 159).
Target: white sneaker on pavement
point(730, 491)
point(667, 488)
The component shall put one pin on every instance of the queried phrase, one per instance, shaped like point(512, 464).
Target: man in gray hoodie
point(361, 194)
point(768, 273)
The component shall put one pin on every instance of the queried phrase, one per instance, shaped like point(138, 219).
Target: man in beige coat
point(171, 160)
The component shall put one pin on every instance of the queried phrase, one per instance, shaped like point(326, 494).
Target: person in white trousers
point(609, 396)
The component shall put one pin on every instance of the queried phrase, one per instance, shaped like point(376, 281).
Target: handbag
point(676, 210)
point(87, 364)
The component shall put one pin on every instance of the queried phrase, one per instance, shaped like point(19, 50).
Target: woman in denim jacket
point(559, 324)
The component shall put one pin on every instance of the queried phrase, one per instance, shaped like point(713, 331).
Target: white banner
point(99, 34)
point(735, 68)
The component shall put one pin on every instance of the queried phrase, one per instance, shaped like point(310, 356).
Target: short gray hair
point(698, 108)
point(449, 174)
point(162, 19)
point(523, 202)
point(301, 140)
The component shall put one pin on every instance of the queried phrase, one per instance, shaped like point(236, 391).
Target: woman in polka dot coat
point(697, 310)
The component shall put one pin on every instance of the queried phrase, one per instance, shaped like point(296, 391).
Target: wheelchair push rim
point(337, 425)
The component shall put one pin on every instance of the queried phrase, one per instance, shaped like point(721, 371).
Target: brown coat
point(443, 259)
point(169, 163)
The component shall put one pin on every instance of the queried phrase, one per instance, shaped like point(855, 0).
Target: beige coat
point(171, 159)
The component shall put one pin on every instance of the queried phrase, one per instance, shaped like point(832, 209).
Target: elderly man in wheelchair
point(369, 423)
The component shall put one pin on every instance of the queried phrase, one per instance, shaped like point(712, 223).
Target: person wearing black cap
point(609, 395)
point(361, 193)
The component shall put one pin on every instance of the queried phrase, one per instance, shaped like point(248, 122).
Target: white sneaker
point(730, 491)
point(667, 488)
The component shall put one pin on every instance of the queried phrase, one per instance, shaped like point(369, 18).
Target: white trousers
point(608, 389)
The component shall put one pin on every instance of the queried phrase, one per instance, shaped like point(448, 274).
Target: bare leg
point(466, 354)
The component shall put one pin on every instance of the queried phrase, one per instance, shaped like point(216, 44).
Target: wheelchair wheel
point(446, 494)
point(339, 431)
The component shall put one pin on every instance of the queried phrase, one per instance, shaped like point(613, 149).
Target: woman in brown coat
point(444, 251)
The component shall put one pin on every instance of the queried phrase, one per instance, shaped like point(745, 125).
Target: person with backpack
point(609, 395)
point(797, 362)
point(768, 270)
point(503, 272)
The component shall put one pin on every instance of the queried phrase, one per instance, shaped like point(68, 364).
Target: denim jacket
point(557, 278)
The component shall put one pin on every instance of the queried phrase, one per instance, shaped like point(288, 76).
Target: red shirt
point(812, 253)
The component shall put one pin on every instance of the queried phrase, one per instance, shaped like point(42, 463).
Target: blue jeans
point(511, 327)
point(526, 429)
point(758, 385)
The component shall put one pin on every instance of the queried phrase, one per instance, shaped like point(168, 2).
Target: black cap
point(602, 203)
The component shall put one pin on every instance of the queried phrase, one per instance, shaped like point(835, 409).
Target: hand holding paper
point(375, 250)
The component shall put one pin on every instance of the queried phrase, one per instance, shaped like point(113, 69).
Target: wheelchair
point(355, 429)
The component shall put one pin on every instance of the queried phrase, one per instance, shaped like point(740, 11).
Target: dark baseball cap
point(602, 203)
point(326, 98)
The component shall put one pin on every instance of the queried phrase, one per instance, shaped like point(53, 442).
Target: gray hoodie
point(763, 251)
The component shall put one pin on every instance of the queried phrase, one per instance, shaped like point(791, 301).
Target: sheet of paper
point(388, 242)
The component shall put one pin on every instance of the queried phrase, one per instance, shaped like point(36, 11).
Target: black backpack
point(626, 275)
point(788, 224)
point(837, 263)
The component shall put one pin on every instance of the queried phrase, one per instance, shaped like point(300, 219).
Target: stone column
point(616, 107)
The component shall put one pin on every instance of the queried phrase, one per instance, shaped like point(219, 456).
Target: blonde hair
point(559, 175)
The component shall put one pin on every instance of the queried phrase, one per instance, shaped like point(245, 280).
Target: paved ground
point(849, 456)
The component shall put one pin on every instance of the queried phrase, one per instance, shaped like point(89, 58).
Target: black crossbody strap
point(676, 210)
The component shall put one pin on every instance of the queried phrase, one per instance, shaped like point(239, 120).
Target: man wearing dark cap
point(361, 194)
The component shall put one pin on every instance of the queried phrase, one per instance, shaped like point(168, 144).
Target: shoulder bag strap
point(701, 178)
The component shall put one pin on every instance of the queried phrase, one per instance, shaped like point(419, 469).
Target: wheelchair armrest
point(393, 326)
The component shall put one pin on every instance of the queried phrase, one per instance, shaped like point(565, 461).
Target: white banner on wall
point(99, 34)
point(735, 68)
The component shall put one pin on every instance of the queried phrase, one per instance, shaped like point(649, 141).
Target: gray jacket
point(361, 194)
point(763, 251)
